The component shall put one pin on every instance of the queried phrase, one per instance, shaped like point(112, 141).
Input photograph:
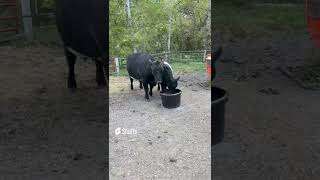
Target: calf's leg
point(131, 83)
point(145, 86)
point(158, 86)
point(100, 75)
point(71, 60)
point(140, 84)
point(150, 91)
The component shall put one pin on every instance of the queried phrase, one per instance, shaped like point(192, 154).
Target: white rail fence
point(118, 63)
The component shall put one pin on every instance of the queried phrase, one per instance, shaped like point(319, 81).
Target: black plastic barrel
point(218, 102)
point(171, 98)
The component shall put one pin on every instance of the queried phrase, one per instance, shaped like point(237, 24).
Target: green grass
point(188, 67)
point(179, 67)
point(242, 22)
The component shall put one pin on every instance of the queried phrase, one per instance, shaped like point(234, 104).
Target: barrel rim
point(175, 94)
point(224, 98)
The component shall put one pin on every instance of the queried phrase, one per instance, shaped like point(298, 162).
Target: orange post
point(208, 65)
point(312, 13)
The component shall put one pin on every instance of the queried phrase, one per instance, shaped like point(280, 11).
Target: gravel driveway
point(160, 143)
point(46, 131)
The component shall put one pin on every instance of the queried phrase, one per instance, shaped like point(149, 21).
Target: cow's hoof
point(131, 87)
point(72, 85)
point(101, 87)
point(101, 80)
point(102, 83)
point(72, 90)
point(147, 98)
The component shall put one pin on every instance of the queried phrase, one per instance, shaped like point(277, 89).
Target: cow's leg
point(150, 91)
point(100, 75)
point(145, 86)
point(131, 83)
point(158, 86)
point(140, 84)
point(71, 60)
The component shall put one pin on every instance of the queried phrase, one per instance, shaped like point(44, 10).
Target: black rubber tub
point(171, 98)
point(218, 102)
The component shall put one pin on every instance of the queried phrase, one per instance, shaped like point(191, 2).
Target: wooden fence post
point(166, 57)
point(27, 19)
point(117, 65)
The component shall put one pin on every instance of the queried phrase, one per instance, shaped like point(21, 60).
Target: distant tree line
point(158, 25)
point(250, 2)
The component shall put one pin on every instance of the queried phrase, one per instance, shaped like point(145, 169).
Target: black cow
point(146, 69)
point(82, 25)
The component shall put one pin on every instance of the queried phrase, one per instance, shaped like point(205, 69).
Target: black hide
point(145, 68)
point(82, 25)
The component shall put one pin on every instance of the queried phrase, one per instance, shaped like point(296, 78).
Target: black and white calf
point(168, 81)
point(146, 69)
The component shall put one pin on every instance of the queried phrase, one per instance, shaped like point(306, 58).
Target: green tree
point(47, 4)
point(157, 25)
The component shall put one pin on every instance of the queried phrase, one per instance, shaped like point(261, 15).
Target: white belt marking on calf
point(135, 78)
point(167, 65)
point(75, 52)
point(79, 54)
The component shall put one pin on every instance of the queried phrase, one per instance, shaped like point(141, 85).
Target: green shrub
point(242, 3)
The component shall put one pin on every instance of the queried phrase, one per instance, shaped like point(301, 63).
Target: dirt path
point(272, 125)
point(169, 143)
point(268, 51)
point(47, 132)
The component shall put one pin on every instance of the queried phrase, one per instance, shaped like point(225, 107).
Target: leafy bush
point(241, 3)
point(48, 4)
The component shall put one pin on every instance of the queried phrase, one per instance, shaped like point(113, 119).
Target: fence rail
point(174, 52)
point(12, 6)
point(280, 1)
point(163, 54)
point(174, 56)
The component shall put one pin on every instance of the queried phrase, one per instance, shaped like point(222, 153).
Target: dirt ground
point(47, 132)
point(272, 124)
point(168, 143)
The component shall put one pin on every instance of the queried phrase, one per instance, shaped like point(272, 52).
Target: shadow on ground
point(47, 132)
